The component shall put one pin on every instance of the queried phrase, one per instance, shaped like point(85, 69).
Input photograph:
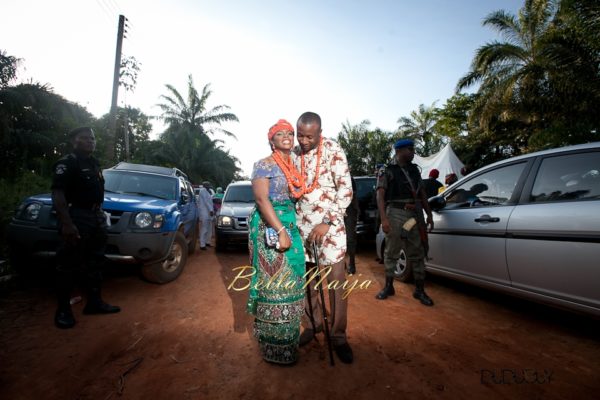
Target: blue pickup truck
point(153, 221)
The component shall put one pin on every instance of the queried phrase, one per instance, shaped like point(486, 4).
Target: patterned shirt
point(329, 199)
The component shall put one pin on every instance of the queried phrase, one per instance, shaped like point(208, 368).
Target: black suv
point(365, 192)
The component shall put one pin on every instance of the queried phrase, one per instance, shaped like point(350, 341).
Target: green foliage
point(8, 68)
point(187, 142)
point(33, 128)
point(540, 86)
point(421, 127)
point(364, 148)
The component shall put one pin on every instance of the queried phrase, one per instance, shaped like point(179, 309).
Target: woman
point(277, 307)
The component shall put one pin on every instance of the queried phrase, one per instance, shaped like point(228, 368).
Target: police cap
point(401, 143)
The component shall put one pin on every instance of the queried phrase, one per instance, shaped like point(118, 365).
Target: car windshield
point(241, 194)
point(365, 187)
point(141, 184)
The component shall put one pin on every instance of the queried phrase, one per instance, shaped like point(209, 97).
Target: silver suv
point(528, 226)
point(232, 219)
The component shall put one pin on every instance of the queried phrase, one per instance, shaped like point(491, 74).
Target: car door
point(553, 245)
point(187, 206)
point(469, 235)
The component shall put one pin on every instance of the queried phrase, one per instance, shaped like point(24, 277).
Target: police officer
point(400, 197)
point(77, 194)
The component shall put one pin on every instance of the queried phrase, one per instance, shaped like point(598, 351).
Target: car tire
point(402, 271)
point(169, 269)
point(194, 239)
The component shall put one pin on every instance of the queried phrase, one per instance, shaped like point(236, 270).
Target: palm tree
point(540, 86)
point(420, 127)
point(193, 114)
point(513, 73)
point(187, 139)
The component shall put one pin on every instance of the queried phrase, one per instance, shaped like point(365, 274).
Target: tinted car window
point(491, 188)
point(365, 187)
point(568, 177)
point(141, 184)
point(242, 194)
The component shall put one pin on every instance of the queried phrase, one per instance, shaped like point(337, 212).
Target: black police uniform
point(81, 180)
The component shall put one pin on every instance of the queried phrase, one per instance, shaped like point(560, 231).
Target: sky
point(348, 61)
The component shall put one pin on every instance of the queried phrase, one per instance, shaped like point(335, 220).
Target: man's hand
point(318, 233)
point(430, 222)
point(70, 234)
point(385, 226)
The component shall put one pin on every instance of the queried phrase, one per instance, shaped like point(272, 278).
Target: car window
point(568, 177)
point(365, 187)
point(490, 188)
point(140, 184)
point(241, 193)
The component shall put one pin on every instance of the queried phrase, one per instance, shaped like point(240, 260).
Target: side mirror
point(436, 203)
point(185, 197)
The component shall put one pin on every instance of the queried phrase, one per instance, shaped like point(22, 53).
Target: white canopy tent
point(444, 161)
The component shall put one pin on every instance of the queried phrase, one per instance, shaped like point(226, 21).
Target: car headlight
point(225, 220)
point(143, 219)
point(158, 221)
point(31, 212)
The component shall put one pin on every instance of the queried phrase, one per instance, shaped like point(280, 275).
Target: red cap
point(434, 173)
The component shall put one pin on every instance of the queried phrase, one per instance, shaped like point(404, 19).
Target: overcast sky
point(266, 59)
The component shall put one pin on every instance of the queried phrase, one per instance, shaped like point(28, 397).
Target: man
point(432, 185)
point(206, 211)
point(320, 218)
point(77, 195)
point(400, 200)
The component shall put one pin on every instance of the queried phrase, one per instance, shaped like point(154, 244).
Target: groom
point(320, 218)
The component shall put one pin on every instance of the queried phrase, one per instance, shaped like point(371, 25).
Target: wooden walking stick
point(323, 308)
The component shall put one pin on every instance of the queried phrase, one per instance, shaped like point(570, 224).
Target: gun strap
point(410, 182)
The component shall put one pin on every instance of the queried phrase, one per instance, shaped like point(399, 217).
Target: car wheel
point(194, 239)
point(402, 271)
point(170, 268)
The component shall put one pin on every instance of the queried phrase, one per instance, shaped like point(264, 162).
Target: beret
point(403, 143)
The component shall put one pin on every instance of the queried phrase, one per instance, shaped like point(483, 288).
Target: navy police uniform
point(80, 178)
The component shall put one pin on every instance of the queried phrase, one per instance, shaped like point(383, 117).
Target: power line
point(110, 7)
point(104, 10)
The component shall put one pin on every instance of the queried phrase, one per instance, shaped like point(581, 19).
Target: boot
point(63, 318)
point(420, 294)
point(388, 289)
point(95, 304)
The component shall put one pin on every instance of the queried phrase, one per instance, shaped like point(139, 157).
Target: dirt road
point(191, 339)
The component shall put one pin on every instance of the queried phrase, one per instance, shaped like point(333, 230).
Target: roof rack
point(154, 169)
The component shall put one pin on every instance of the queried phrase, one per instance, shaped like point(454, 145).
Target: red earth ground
point(191, 339)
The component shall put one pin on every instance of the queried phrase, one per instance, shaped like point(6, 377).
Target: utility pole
point(112, 131)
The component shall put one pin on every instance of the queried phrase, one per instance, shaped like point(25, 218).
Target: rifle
point(419, 215)
point(323, 308)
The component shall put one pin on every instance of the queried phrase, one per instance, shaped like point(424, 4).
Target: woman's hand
point(285, 241)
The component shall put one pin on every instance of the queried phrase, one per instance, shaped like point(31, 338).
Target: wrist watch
point(327, 221)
